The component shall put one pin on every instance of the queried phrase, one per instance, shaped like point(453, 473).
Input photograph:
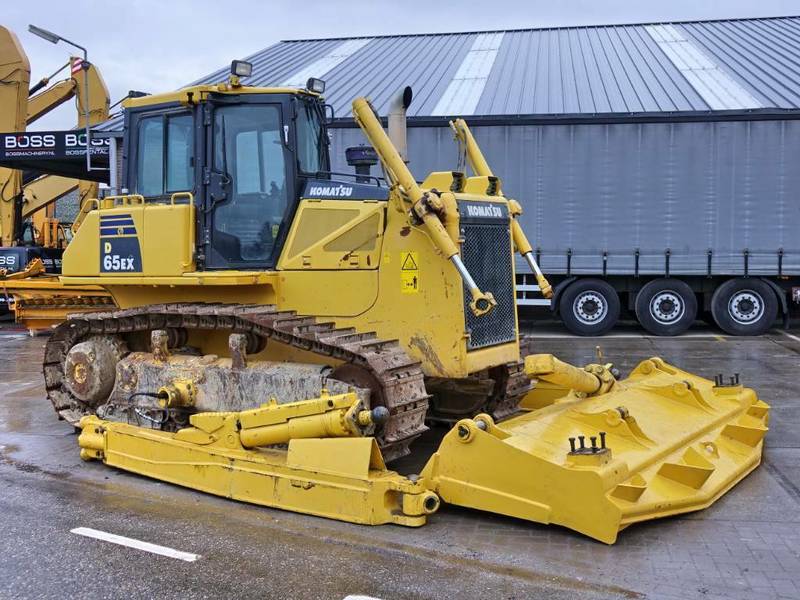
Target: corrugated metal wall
point(683, 186)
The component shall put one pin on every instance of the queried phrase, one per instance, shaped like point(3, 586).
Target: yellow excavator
point(284, 332)
point(86, 86)
point(31, 239)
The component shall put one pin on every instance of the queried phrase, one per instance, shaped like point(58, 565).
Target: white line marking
point(360, 597)
point(136, 544)
point(789, 335)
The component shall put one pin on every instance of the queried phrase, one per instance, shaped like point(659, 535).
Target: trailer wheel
point(744, 306)
point(666, 306)
point(589, 307)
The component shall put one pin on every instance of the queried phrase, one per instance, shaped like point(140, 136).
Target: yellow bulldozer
point(284, 332)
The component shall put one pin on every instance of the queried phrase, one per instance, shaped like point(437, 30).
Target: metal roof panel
point(648, 68)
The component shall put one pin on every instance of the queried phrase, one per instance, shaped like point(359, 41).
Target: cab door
point(250, 187)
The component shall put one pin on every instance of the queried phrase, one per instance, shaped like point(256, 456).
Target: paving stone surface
point(747, 545)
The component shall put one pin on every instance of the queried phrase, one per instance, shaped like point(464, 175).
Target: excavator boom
point(17, 110)
point(54, 96)
point(87, 87)
point(15, 74)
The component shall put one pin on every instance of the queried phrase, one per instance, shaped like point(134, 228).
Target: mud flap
point(662, 442)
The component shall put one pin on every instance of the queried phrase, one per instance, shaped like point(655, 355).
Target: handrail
point(188, 195)
point(122, 200)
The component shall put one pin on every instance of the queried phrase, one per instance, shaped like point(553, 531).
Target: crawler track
point(396, 381)
point(511, 385)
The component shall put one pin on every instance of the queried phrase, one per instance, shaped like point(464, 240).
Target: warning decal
point(409, 273)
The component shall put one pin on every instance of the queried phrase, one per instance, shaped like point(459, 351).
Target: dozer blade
point(661, 442)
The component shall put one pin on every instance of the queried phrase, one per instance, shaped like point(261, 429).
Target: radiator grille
point(487, 255)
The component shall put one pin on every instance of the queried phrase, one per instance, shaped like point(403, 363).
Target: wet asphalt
point(746, 545)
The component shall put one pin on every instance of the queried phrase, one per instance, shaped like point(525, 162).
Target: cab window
point(249, 151)
point(311, 147)
point(165, 148)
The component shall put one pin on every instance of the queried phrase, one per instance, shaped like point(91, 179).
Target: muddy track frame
point(400, 380)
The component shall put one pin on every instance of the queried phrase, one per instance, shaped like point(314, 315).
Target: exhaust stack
point(397, 120)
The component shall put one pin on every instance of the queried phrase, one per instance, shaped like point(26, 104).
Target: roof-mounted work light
point(315, 85)
point(241, 68)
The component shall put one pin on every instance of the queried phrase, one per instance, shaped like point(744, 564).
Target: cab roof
point(199, 93)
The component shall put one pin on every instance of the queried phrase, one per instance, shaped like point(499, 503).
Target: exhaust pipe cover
point(398, 105)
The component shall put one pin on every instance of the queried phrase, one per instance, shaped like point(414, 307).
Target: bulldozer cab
point(243, 157)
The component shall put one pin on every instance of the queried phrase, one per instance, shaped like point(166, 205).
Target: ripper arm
point(481, 168)
point(427, 207)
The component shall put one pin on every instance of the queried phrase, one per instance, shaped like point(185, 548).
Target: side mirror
point(330, 114)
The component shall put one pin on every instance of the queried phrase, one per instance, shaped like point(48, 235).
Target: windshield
point(311, 147)
point(248, 149)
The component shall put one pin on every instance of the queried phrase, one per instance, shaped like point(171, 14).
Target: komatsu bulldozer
point(285, 331)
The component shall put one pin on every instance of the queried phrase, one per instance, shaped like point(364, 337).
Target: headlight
point(315, 85)
point(241, 68)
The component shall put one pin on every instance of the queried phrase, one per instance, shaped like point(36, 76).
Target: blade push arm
point(427, 207)
point(481, 167)
point(591, 380)
point(340, 415)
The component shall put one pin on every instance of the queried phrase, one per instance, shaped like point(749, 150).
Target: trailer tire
point(666, 307)
point(589, 307)
point(744, 306)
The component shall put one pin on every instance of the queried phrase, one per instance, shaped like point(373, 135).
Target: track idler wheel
point(177, 337)
point(90, 368)
point(360, 377)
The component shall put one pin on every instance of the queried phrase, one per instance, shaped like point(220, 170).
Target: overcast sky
point(159, 45)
